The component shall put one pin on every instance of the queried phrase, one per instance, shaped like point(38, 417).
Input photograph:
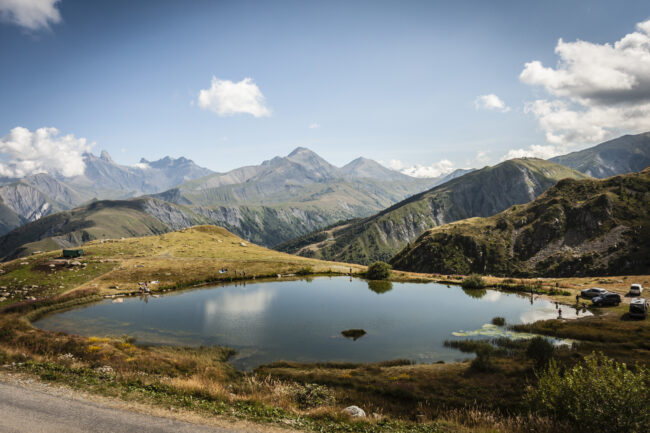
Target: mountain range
point(295, 203)
point(626, 154)
point(478, 193)
point(31, 198)
point(577, 228)
point(268, 203)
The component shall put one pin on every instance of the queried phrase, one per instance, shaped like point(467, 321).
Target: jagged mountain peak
point(106, 157)
point(301, 150)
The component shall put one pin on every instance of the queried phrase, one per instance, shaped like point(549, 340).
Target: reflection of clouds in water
point(244, 302)
point(492, 296)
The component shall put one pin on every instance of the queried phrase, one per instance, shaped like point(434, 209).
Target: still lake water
point(302, 320)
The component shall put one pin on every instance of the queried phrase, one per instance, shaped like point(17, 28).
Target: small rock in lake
point(354, 334)
point(354, 412)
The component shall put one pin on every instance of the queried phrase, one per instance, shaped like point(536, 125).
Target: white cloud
point(490, 102)
point(31, 14)
point(226, 97)
point(314, 125)
point(598, 90)
point(434, 170)
point(535, 151)
point(483, 156)
point(142, 166)
point(23, 153)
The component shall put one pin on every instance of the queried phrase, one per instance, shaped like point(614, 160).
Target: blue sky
point(389, 80)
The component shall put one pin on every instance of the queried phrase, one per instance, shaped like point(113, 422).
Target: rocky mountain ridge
point(577, 228)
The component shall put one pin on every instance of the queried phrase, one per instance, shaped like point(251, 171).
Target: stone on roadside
point(354, 412)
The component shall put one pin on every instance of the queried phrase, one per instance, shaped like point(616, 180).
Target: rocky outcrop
point(577, 228)
point(626, 154)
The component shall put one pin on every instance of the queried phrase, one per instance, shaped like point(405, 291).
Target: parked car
point(638, 307)
point(607, 299)
point(593, 292)
point(636, 290)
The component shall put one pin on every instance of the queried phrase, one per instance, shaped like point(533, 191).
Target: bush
point(499, 321)
point(378, 271)
point(473, 282)
point(307, 270)
point(313, 395)
point(598, 394)
point(540, 350)
point(483, 360)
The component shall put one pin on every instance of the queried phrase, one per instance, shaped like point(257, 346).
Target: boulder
point(354, 412)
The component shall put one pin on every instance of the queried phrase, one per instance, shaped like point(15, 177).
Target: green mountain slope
point(479, 193)
point(98, 220)
point(577, 228)
point(626, 154)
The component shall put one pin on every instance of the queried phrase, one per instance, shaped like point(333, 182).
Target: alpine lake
point(305, 320)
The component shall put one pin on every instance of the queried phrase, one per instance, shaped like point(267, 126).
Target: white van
point(636, 290)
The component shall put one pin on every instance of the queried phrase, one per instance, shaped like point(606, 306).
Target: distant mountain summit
point(269, 203)
point(626, 154)
point(367, 168)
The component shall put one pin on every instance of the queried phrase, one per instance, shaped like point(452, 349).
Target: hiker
point(559, 313)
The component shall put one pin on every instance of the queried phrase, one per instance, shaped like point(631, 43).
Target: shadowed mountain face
point(478, 193)
point(577, 228)
point(627, 154)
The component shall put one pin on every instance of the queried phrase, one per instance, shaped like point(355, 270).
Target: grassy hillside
point(176, 259)
point(578, 227)
point(99, 220)
point(479, 193)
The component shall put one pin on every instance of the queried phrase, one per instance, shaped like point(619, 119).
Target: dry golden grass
point(193, 256)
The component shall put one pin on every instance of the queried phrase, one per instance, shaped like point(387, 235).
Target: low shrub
point(307, 270)
point(473, 282)
point(499, 321)
point(378, 271)
point(598, 394)
point(313, 395)
point(483, 361)
point(541, 351)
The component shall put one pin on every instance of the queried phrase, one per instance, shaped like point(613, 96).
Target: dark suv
point(607, 299)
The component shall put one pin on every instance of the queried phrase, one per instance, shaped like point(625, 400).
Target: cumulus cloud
point(598, 90)
point(434, 170)
point(483, 156)
point(314, 125)
point(535, 151)
point(23, 153)
point(490, 102)
point(226, 97)
point(30, 14)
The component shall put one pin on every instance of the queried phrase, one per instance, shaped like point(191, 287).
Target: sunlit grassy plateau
point(398, 395)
